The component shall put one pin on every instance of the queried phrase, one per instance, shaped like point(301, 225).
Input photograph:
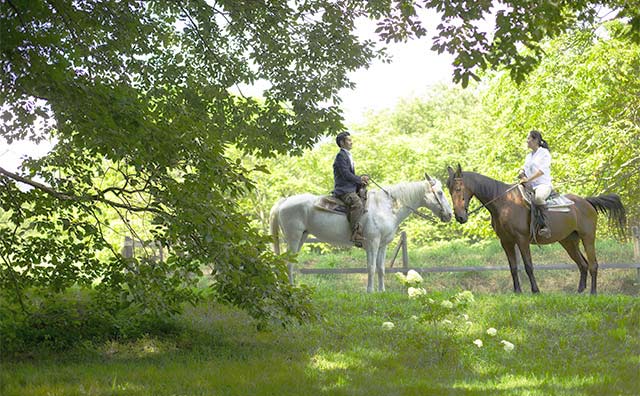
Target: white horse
point(297, 217)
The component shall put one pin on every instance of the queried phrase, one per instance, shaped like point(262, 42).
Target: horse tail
point(611, 205)
point(274, 226)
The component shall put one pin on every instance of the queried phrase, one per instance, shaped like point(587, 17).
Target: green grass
point(564, 345)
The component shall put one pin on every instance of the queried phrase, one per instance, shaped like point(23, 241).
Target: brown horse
point(510, 220)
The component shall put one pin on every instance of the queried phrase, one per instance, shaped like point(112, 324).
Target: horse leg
point(509, 249)
point(382, 253)
point(572, 246)
point(525, 252)
point(371, 247)
point(294, 247)
point(589, 243)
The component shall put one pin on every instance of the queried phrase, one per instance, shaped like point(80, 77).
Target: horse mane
point(484, 186)
point(405, 191)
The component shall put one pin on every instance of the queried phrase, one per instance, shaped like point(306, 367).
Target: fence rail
point(461, 269)
point(402, 244)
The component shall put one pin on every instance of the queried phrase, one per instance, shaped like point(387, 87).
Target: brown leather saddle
point(329, 203)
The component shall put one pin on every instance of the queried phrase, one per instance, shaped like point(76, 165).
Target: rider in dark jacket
point(347, 184)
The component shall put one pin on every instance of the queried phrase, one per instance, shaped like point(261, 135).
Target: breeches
point(356, 209)
point(542, 192)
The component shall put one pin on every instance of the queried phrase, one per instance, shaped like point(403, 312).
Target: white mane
point(404, 192)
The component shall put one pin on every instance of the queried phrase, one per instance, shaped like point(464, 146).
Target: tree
point(142, 99)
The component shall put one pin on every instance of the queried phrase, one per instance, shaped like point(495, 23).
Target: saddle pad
point(331, 204)
point(555, 202)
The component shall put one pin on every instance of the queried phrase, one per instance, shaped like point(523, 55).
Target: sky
point(414, 68)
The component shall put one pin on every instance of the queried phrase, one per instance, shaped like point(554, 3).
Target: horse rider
point(347, 185)
point(537, 172)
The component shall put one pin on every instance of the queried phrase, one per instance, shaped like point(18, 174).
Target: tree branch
point(78, 198)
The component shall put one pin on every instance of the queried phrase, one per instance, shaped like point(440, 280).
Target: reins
point(415, 211)
point(494, 199)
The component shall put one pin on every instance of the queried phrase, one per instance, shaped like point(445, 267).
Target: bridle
point(458, 180)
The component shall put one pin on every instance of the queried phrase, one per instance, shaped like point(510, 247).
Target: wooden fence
point(402, 244)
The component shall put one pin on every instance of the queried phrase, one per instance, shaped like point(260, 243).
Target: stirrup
point(544, 232)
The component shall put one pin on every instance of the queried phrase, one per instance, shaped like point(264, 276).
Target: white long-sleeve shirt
point(538, 160)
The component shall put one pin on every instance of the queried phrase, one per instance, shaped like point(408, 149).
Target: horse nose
point(461, 219)
point(446, 217)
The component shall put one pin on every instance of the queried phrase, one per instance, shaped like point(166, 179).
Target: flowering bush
point(412, 279)
point(414, 292)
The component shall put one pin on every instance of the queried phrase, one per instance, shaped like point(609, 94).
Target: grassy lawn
point(564, 343)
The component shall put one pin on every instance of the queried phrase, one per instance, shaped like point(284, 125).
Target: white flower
point(478, 343)
point(447, 304)
point(414, 317)
point(416, 291)
point(446, 322)
point(465, 296)
point(492, 332)
point(507, 345)
point(468, 323)
point(388, 326)
point(464, 316)
point(413, 277)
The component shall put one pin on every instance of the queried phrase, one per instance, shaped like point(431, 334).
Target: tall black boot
point(544, 230)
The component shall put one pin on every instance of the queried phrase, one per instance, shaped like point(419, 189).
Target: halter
point(431, 184)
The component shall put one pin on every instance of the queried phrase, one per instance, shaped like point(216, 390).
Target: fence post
point(636, 248)
point(405, 254)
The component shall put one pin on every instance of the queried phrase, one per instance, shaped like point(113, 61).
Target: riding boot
point(356, 236)
point(544, 230)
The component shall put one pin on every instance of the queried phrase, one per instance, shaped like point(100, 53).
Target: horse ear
point(450, 170)
point(459, 171)
point(429, 179)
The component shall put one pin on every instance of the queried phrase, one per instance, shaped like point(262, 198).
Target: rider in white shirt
point(537, 172)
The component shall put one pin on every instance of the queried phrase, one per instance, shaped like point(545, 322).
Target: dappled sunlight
point(530, 384)
point(338, 369)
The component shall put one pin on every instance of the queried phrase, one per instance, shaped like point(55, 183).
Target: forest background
point(584, 98)
point(156, 140)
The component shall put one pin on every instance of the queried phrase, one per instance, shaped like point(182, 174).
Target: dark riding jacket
point(344, 176)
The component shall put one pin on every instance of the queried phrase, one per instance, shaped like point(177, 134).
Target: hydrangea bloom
point(465, 296)
point(413, 277)
point(388, 325)
point(507, 345)
point(492, 332)
point(478, 343)
point(416, 291)
point(447, 304)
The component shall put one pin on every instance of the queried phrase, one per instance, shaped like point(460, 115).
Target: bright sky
point(414, 68)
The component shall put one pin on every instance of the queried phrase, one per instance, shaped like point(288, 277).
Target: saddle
point(555, 202)
point(329, 203)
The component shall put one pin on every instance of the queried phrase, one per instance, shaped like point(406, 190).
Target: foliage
point(585, 97)
point(63, 321)
point(142, 99)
